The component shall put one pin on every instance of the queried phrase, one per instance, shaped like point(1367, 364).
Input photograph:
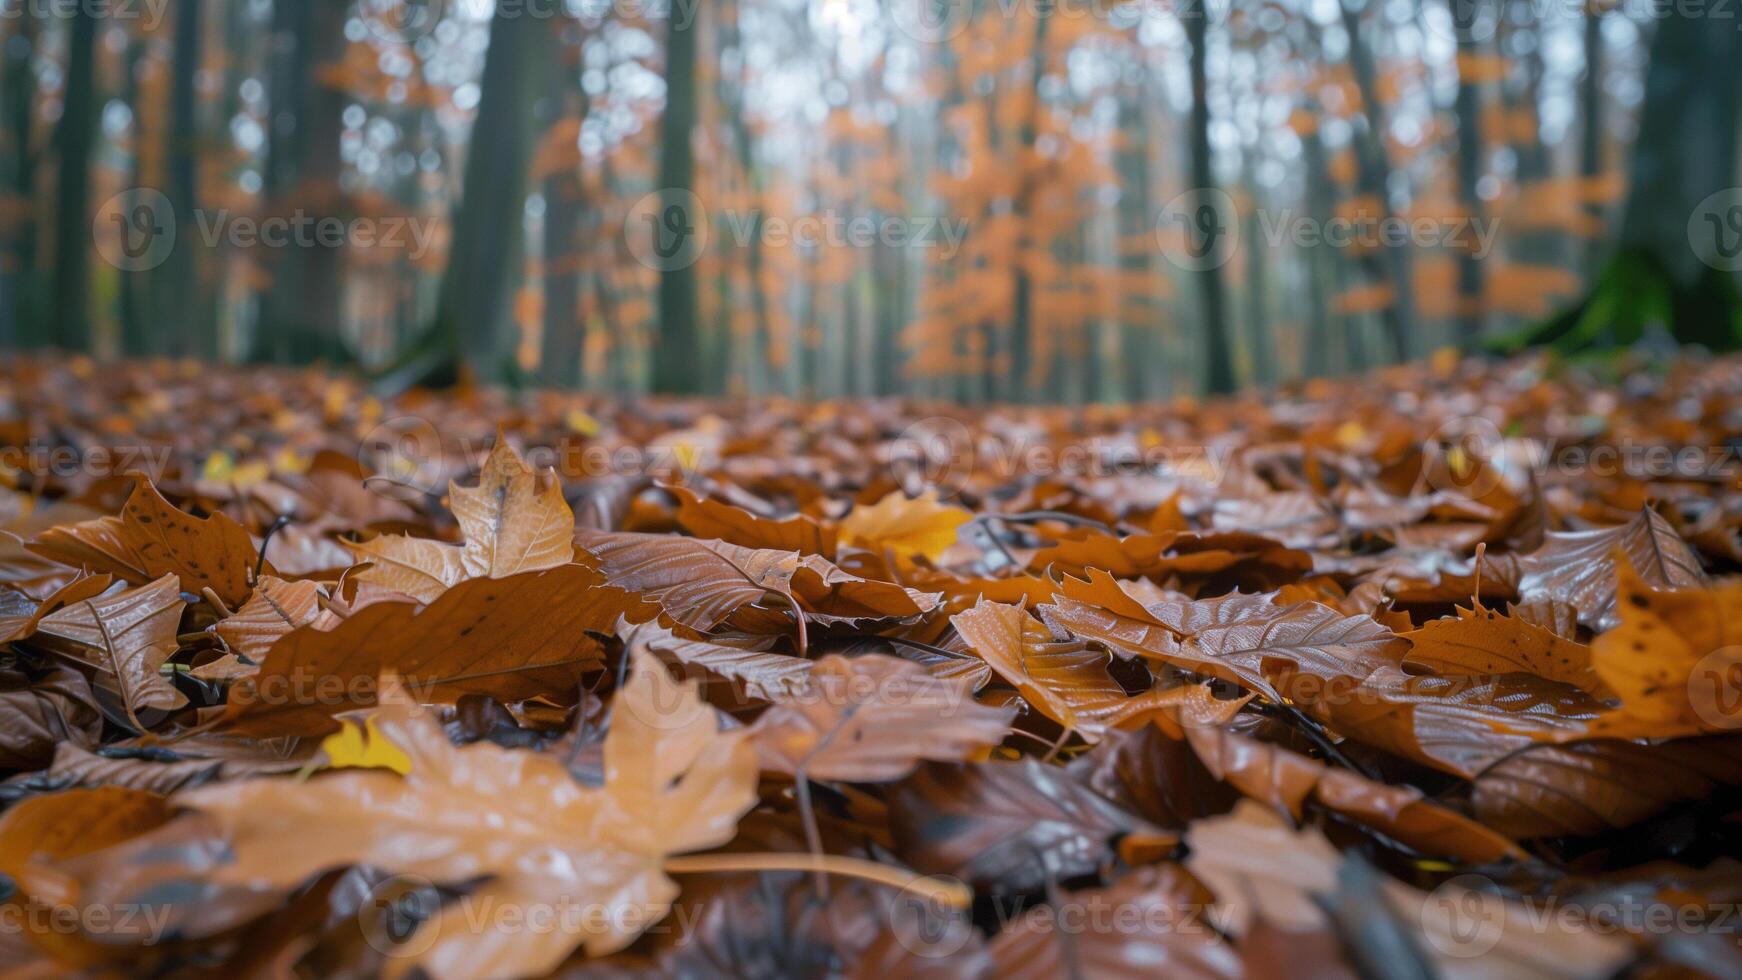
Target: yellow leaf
point(364, 748)
point(581, 423)
point(920, 526)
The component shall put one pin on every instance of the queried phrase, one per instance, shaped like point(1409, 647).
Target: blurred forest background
point(1014, 200)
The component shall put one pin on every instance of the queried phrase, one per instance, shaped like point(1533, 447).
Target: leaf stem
point(953, 894)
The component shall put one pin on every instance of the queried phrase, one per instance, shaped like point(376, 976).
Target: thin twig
point(278, 524)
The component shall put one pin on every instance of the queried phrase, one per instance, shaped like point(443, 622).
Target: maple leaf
point(509, 523)
point(907, 527)
point(873, 719)
point(152, 539)
point(674, 783)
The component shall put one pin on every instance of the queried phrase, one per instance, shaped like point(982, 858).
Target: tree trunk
point(1591, 101)
point(676, 368)
point(473, 327)
point(19, 289)
point(560, 360)
point(75, 140)
point(1021, 330)
point(1681, 239)
point(1375, 172)
point(1219, 355)
point(184, 319)
point(1472, 306)
point(300, 315)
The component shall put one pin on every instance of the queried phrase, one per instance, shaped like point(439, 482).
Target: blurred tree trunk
point(137, 294)
point(676, 367)
point(300, 315)
point(1260, 344)
point(1320, 261)
point(1375, 178)
point(1472, 305)
point(1591, 112)
point(75, 140)
point(1680, 240)
point(1017, 384)
point(473, 327)
point(1219, 359)
point(19, 288)
point(560, 360)
point(184, 318)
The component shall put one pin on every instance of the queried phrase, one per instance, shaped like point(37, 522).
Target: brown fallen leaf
point(152, 539)
point(510, 525)
point(1011, 826)
point(276, 608)
point(1486, 642)
point(1580, 567)
point(126, 636)
point(512, 638)
point(1287, 780)
point(674, 783)
point(1064, 680)
point(873, 719)
point(1149, 923)
point(717, 520)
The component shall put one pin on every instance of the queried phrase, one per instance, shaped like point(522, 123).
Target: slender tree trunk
point(184, 318)
point(1375, 173)
point(75, 140)
point(19, 288)
point(1260, 343)
point(563, 209)
point(676, 368)
point(1591, 104)
point(472, 316)
point(1021, 329)
point(136, 287)
point(300, 315)
point(1219, 359)
point(1472, 302)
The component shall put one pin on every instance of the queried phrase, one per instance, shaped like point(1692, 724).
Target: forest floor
point(1429, 672)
